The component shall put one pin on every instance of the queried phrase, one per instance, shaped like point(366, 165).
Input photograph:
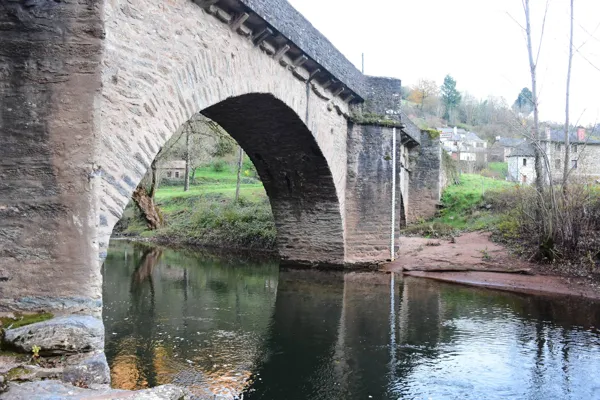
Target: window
point(524, 178)
point(169, 174)
point(176, 174)
point(574, 148)
point(574, 164)
point(557, 163)
point(524, 162)
point(557, 146)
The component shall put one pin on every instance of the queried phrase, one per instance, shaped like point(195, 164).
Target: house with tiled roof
point(584, 157)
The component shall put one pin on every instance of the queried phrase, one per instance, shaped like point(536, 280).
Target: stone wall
point(369, 193)
point(426, 178)
point(197, 62)
point(49, 68)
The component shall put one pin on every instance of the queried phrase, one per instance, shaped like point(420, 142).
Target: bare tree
point(539, 179)
point(567, 139)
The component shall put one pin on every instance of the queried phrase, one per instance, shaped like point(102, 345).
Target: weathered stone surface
point(427, 178)
point(53, 390)
point(62, 335)
point(87, 369)
point(369, 191)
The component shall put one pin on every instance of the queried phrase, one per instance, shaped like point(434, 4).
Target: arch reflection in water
point(221, 327)
point(174, 317)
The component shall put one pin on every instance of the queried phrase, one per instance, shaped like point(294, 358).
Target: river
point(225, 327)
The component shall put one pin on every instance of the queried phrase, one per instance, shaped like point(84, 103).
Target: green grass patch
point(464, 208)
point(207, 215)
point(24, 319)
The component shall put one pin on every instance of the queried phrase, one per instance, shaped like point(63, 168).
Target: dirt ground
point(473, 259)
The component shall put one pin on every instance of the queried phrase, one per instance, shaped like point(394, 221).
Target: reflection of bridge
point(93, 89)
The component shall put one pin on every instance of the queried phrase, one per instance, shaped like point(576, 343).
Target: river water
point(224, 327)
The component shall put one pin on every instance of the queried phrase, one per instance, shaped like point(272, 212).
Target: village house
point(173, 170)
point(584, 158)
point(502, 148)
point(521, 164)
point(463, 145)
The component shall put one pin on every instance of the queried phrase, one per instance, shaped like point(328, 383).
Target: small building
point(502, 148)
point(521, 164)
point(463, 145)
point(172, 169)
point(584, 157)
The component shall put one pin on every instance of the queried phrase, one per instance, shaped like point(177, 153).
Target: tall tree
point(539, 179)
point(524, 102)
point(451, 97)
point(567, 142)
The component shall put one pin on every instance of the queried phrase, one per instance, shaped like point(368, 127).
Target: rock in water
point(52, 390)
point(58, 336)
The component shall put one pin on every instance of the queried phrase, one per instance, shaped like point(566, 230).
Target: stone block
point(63, 335)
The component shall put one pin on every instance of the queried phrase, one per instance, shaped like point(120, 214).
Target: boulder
point(52, 390)
point(88, 370)
point(58, 336)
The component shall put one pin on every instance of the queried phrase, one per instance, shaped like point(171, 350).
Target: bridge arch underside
point(294, 172)
point(293, 130)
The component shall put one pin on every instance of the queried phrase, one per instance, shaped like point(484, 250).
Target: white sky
point(475, 41)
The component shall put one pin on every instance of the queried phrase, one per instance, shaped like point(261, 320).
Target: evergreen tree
point(524, 103)
point(450, 96)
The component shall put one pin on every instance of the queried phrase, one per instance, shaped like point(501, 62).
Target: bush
point(219, 166)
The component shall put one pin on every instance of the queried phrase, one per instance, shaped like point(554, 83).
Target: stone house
point(502, 148)
point(521, 164)
point(464, 145)
point(172, 169)
point(584, 157)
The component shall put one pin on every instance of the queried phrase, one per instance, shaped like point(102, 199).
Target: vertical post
point(239, 170)
point(363, 63)
point(393, 233)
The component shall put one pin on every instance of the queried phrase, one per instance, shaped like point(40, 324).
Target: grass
point(206, 214)
point(24, 319)
point(464, 208)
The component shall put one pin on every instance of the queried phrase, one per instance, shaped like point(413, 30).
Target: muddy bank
point(473, 259)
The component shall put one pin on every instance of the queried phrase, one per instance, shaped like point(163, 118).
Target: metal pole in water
point(393, 233)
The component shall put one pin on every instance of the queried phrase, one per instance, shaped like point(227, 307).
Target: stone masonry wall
point(369, 193)
point(49, 75)
point(426, 178)
point(166, 61)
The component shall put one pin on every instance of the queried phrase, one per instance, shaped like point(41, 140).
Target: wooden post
point(239, 170)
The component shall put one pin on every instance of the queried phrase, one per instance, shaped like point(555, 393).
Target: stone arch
point(148, 93)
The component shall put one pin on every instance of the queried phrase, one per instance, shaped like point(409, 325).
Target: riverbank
point(207, 215)
point(473, 259)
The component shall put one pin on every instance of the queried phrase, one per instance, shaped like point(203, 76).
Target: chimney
point(581, 134)
point(548, 135)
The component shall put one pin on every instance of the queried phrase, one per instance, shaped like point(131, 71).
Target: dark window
point(574, 164)
point(557, 146)
point(524, 162)
point(574, 147)
point(557, 163)
point(169, 174)
point(176, 174)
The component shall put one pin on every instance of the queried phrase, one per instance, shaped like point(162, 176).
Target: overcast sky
point(476, 41)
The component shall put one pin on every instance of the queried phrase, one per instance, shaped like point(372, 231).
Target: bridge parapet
point(282, 32)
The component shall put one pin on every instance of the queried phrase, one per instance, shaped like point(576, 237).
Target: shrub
point(219, 165)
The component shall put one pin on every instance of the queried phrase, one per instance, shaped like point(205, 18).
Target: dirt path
point(473, 259)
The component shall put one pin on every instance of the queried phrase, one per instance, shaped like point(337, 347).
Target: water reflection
point(172, 317)
point(220, 327)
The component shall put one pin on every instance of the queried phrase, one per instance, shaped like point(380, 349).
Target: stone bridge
point(91, 90)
